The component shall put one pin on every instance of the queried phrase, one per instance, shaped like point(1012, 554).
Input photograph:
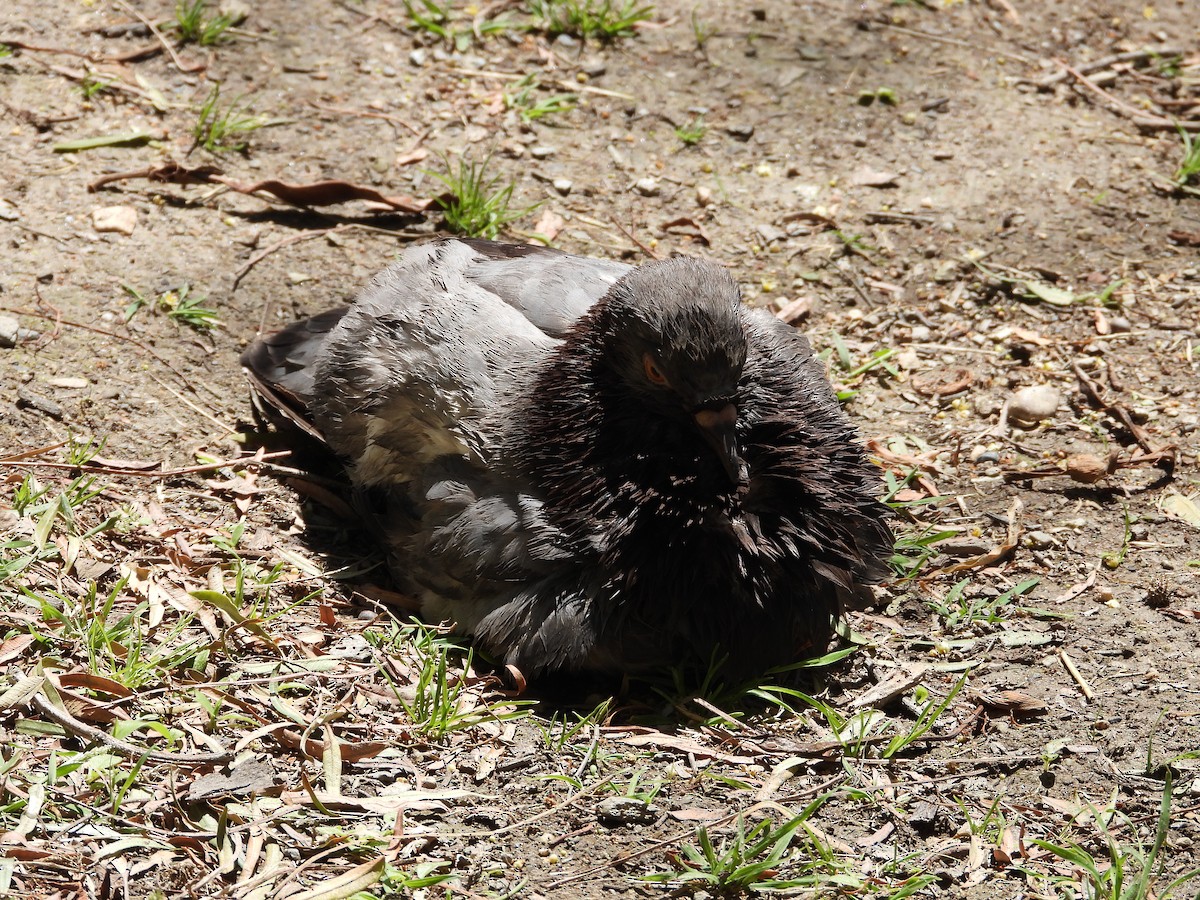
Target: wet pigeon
point(589, 466)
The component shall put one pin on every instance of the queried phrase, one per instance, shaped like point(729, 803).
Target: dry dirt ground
point(891, 178)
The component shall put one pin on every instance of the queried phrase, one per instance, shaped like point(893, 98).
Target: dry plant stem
point(19, 462)
point(267, 251)
point(370, 114)
point(1105, 62)
point(16, 310)
point(1120, 106)
point(99, 736)
point(179, 63)
point(1069, 665)
point(625, 231)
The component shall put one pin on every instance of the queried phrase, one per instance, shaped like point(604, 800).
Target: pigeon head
point(672, 334)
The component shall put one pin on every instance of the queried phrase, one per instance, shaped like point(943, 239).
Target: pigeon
point(590, 467)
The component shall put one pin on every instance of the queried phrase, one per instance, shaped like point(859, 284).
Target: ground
point(931, 191)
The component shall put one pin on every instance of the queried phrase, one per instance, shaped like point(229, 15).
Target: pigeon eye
point(653, 372)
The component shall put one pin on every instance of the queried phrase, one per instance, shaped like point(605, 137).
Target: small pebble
point(1039, 540)
point(1032, 404)
point(69, 382)
point(1120, 324)
point(541, 151)
point(10, 328)
point(647, 187)
point(704, 196)
point(418, 57)
point(593, 67)
point(626, 811)
point(563, 185)
point(741, 132)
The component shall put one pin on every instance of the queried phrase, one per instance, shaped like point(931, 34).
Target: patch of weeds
point(691, 133)
point(601, 19)
point(559, 734)
point(438, 697)
point(852, 370)
point(1189, 166)
point(179, 305)
point(927, 718)
point(438, 19)
point(956, 611)
point(1123, 871)
point(80, 452)
point(194, 27)
point(5, 51)
point(219, 128)
point(115, 645)
point(93, 85)
point(531, 107)
point(701, 31)
point(480, 205)
point(748, 860)
point(183, 307)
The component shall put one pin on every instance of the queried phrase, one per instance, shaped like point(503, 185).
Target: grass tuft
point(194, 27)
point(589, 18)
point(479, 205)
point(219, 128)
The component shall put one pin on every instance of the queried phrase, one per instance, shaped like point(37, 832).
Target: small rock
point(593, 67)
point(10, 329)
point(70, 382)
point(1032, 404)
point(868, 177)
point(921, 333)
point(987, 457)
point(769, 233)
point(121, 219)
point(565, 41)
point(235, 11)
point(741, 132)
point(27, 399)
point(541, 151)
point(1039, 540)
point(704, 196)
point(647, 187)
point(1120, 324)
point(563, 185)
point(418, 57)
point(616, 811)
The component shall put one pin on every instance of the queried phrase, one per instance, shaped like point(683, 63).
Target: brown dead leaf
point(942, 382)
point(14, 647)
point(92, 682)
point(688, 227)
point(315, 193)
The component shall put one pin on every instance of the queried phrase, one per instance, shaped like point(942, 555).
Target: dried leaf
point(316, 193)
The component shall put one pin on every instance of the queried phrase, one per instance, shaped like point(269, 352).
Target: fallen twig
point(186, 68)
point(1133, 56)
point(21, 460)
point(1069, 665)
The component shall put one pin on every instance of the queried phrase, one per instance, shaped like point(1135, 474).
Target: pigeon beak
point(719, 427)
